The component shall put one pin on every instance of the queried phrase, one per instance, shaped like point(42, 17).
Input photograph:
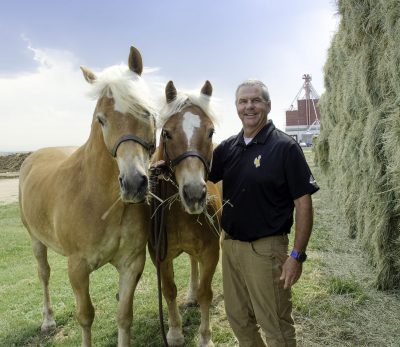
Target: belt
point(230, 237)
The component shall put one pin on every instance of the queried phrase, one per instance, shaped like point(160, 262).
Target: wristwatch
point(299, 256)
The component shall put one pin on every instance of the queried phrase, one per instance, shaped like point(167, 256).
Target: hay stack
point(359, 145)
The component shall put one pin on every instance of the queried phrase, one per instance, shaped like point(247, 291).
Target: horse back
point(45, 160)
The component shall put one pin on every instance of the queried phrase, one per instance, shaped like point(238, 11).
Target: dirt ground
point(8, 190)
point(9, 172)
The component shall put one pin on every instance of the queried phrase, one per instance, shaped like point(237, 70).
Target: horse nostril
point(203, 193)
point(144, 182)
point(185, 193)
point(121, 181)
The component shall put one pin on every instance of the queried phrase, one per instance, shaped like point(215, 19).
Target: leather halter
point(187, 154)
point(149, 146)
point(174, 162)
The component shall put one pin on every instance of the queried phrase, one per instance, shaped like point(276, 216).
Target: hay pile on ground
point(12, 162)
point(359, 145)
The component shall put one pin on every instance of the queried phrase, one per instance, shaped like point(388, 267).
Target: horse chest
point(187, 233)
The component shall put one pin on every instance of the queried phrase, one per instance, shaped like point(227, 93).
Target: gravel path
point(8, 190)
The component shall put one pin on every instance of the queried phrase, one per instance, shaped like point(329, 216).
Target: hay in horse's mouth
point(105, 214)
point(176, 197)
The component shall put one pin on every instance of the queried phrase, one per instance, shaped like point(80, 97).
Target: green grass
point(21, 298)
point(335, 303)
point(351, 287)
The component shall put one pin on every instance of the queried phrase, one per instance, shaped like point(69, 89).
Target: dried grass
point(359, 146)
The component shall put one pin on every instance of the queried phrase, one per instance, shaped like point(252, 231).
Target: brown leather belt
point(229, 237)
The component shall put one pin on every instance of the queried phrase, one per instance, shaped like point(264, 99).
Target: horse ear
point(135, 62)
point(207, 88)
point(88, 74)
point(170, 92)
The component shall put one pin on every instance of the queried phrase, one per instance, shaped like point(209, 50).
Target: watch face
point(302, 257)
point(299, 256)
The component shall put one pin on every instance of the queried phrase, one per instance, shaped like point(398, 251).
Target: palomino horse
point(186, 147)
point(86, 203)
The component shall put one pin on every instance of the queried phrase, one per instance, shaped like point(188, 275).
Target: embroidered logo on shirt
point(257, 161)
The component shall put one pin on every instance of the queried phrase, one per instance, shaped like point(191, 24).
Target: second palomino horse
point(186, 147)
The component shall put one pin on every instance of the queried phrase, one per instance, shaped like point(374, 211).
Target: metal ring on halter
point(149, 146)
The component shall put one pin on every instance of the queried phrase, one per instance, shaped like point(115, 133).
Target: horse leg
point(40, 252)
point(78, 272)
point(191, 298)
point(174, 335)
point(208, 263)
point(129, 276)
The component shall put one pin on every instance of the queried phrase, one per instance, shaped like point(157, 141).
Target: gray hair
point(252, 83)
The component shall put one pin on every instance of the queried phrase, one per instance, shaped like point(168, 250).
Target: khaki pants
point(254, 296)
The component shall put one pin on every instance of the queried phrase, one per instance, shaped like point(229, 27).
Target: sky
point(43, 95)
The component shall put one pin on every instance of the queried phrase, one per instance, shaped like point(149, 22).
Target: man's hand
point(291, 269)
point(291, 272)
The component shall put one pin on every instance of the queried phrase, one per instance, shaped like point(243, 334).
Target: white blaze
point(190, 122)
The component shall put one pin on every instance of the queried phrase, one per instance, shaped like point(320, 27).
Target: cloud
point(50, 106)
point(46, 107)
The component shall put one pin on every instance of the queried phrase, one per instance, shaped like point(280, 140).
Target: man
point(265, 176)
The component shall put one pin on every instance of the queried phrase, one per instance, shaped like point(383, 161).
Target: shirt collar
point(260, 138)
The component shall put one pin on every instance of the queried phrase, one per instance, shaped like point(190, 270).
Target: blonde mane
point(184, 99)
point(129, 91)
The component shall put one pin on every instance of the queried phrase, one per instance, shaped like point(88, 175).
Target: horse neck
point(97, 160)
point(160, 154)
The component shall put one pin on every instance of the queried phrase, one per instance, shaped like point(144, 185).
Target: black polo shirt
point(261, 180)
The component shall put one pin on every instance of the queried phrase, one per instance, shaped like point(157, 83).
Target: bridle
point(150, 147)
point(179, 158)
point(172, 163)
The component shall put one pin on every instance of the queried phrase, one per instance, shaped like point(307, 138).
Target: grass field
point(335, 304)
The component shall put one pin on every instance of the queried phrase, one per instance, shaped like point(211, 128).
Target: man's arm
point(215, 174)
point(291, 269)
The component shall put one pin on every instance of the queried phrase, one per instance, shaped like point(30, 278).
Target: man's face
point(252, 108)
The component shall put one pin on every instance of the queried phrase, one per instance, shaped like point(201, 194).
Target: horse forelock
point(129, 91)
point(184, 100)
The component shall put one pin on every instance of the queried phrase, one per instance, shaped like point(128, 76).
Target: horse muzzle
point(134, 188)
point(194, 197)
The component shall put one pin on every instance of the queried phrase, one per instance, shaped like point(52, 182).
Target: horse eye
point(101, 120)
point(210, 135)
point(166, 135)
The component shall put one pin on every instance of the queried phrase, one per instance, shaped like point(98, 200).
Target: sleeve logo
point(313, 181)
